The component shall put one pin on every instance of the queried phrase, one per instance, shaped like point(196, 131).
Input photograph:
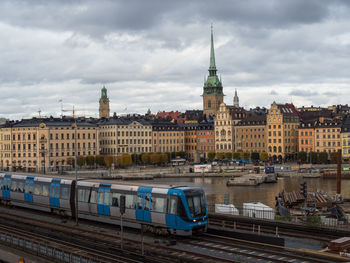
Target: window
point(83, 195)
point(172, 205)
point(158, 204)
point(65, 192)
point(115, 199)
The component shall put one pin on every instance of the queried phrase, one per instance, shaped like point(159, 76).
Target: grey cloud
point(273, 92)
point(303, 93)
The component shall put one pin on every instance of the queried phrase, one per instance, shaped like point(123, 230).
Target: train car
point(161, 209)
point(40, 193)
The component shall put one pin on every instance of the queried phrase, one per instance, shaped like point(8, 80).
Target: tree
point(246, 156)
point(108, 160)
point(220, 155)
point(80, 160)
point(145, 158)
point(302, 157)
point(155, 158)
point(100, 160)
point(334, 157)
point(70, 161)
point(228, 155)
point(163, 158)
point(90, 160)
point(126, 159)
point(323, 157)
point(236, 155)
point(211, 155)
point(118, 160)
point(313, 156)
point(264, 156)
point(255, 157)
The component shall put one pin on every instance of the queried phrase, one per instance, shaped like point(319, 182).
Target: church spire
point(212, 66)
point(236, 99)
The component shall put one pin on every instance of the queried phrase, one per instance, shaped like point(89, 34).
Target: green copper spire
point(212, 66)
point(213, 84)
point(104, 95)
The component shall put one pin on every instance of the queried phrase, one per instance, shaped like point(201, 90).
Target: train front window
point(196, 203)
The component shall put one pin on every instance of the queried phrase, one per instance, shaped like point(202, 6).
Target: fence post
point(259, 230)
point(276, 231)
point(253, 227)
point(234, 225)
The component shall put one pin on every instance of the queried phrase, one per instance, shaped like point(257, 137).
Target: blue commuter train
point(162, 209)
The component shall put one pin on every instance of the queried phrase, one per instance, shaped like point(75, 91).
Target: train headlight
point(194, 220)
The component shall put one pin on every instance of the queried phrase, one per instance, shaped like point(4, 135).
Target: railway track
point(277, 229)
point(245, 251)
point(106, 241)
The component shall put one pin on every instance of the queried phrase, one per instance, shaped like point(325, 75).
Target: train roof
point(130, 185)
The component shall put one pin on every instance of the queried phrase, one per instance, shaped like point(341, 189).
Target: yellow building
point(282, 136)
point(125, 135)
point(167, 137)
point(251, 134)
point(327, 136)
point(46, 144)
point(345, 137)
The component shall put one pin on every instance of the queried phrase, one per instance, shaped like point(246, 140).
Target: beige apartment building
point(118, 136)
point(282, 136)
point(225, 120)
point(46, 143)
point(327, 136)
point(345, 137)
point(167, 137)
point(251, 134)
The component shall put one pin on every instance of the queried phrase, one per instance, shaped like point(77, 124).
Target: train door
point(28, 189)
point(143, 204)
point(171, 213)
point(55, 189)
point(6, 186)
point(103, 199)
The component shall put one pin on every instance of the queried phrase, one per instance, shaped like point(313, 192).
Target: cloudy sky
point(155, 53)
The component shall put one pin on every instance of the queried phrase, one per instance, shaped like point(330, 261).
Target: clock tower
point(213, 94)
point(104, 104)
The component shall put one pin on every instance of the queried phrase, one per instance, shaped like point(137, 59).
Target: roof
point(328, 124)
point(346, 125)
point(288, 109)
point(253, 120)
point(53, 122)
point(122, 121)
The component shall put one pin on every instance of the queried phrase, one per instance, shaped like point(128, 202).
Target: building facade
point(250, 134)
point(225, 120)
point(205, 139)
point(167, 137)
point(282, 136)
point(327, 136)
point(345, 137)
point(120, 136)
point(46, 144)
point(306, 137)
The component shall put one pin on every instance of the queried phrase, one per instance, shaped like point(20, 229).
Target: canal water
point(216, 189)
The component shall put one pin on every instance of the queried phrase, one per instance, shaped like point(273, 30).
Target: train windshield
point(196, 203)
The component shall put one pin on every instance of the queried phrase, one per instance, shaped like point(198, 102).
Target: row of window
point(37, 188)
point(155, 203)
